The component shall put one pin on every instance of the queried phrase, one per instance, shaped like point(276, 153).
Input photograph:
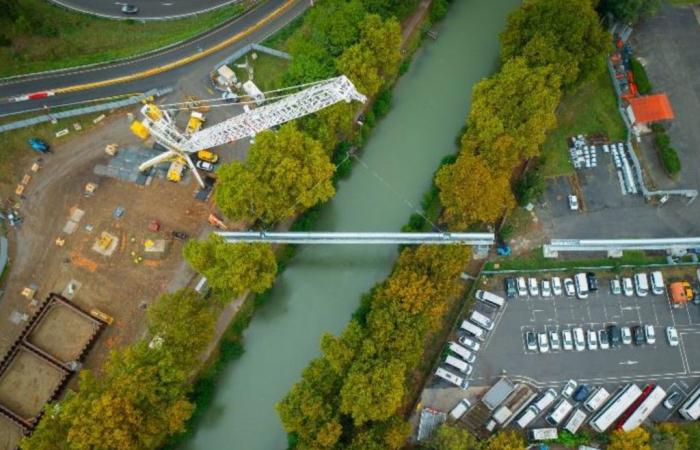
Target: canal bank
point(322, 285)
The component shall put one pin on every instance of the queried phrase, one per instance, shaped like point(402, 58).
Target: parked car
point(511, 288)
point(581, 392)
point(641, 284)
point(543, 342)
point(615, 335)
point(592, 339)
point(567, 340)
point(626, 333)
point(39, 145)
point(130, 9)
point(531, 341)
point(579, 340)
point(179, 235)
point(638, 335)
point(522, 287)
point(592, 281)
point(672, 400)
point(573, 202)
point(603, 339)
point(615, 286)
point(569, 287)
point(627, 287)
point(204, 165)
point(533, 288)
point(569, 388)
point(554, 340)
point(556, 286)
point(649, 334)
point(469, 343)
point(546, 288)
point(672, 336)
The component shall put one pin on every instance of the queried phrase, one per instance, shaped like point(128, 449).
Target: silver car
point(627, 287)
point(534, 289)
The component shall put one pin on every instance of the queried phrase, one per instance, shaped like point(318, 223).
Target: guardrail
point(477, 239)
point(615, 247)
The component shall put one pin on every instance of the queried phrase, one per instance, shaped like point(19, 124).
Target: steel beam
point(617, 246)
point(476, 239)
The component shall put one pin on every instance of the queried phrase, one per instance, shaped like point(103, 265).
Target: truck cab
point(195, 122)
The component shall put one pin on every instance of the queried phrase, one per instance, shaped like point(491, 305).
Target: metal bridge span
point(475, 239)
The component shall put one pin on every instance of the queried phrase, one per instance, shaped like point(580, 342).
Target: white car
point(554, 340)
point(546, 288)
point(579, 341)
point(522, 287)
point(573, 202)
point(543, 342)
point(592, 340)
point(627, 287)
point(567, 340)
point(649, 334)
point(556, 286)
point(569, 287)
point(532, 285)
point(615, 286)
point(470, 343)
point(204, 165)
point(569, 388)
point(626, 335)
point(672, 336)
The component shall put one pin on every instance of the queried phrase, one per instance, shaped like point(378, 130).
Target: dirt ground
point(63, 333)
point(16, 387)
point(10, 434)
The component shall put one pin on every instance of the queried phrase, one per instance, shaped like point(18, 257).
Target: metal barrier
point(476, 239)
point(615, 247)
point(257, 47)
point(85, 110)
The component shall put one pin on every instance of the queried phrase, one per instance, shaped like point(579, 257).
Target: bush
point(382, 104)
point(667, 154)
point(530, 187)
point(640, 76)
point(438, 10)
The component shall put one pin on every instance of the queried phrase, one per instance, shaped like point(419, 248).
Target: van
point(458, 364)
point(522, 287)
point(543, 434)
point(559, 412)
point(579, 341)
point(481, 320)
point(451, 378)
point(527, 417)
point(596, 399)
point(657, 283)
point(490, 298)
point(472, 329)
point(575, 421)
point(641, 284)
point(545, 400)
point(581, 283)
point(462, 407)
point(462, 352)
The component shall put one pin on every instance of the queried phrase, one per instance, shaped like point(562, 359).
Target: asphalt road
point(42, 82)
point(148, 9)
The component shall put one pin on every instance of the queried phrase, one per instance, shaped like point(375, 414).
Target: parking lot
point(505, 350)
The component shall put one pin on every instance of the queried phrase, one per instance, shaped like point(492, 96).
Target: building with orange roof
point(648, 109)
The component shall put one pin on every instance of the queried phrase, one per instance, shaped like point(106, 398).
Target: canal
point(321, 287)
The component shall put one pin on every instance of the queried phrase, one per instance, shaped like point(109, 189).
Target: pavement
point(148, 9)
point(109, 71)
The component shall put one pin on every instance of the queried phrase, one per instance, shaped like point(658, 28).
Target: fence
point(85, 110)
point(257, 47)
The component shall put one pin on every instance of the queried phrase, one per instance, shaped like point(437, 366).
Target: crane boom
point(294, 106)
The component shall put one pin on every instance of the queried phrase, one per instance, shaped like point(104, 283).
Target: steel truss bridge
point(474, 239)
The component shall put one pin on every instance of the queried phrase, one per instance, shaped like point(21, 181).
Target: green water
point(322, 286)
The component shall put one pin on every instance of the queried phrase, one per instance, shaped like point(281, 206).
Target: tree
point(335, 26)
point(629, 10)
point(448, 437)
point(286, 173)
point(637, 439)
point(506, 440)
point(386, 8)
point(413, 291)
point(669, 436)
point(185, 323)
point(511, 114)
point(564, 34)
point(232, 268)
point(374, 60)
point(472, 193)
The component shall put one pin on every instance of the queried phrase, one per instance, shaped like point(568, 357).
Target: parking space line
point(653, 308)
point(684, 357)
point(670, 308)
point(497, 321)
point(687, 310)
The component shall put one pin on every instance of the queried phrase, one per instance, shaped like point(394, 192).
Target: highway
point(148, 9)
point(158, 69)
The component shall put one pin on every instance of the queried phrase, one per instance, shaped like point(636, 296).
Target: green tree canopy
point(629, 10)
point(506, 440)
point(637, 439)
point(564, 34)
point(232, 268)
point(448, 437)
point(286, 173)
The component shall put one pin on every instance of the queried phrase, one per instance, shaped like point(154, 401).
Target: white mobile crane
point(158, 123)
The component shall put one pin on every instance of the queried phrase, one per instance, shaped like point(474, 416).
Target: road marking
point(653, 308)
point(628, 363)
point(497, 322)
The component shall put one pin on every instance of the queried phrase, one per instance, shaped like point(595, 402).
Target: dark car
point(180, 235)
point(581, 393)
point(615, 335)
point(638, 335)
point(592, 281)
point(130, 9)
point(511, 289)
point(39, 145)
point(531, 340)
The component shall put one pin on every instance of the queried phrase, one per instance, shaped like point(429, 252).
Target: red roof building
point(649, 108)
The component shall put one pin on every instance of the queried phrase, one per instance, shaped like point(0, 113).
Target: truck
point(176, 170)
point(681, 292)
point(195, 122)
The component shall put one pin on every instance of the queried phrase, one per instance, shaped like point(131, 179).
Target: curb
point(65, 5)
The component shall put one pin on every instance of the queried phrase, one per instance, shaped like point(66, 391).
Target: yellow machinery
point(139, 129)
point(104, 241)
point(176, 169)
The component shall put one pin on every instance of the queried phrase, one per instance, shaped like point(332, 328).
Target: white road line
point(670, 308)
point(653, 307)
point(639, 314)
point(687, 310)
point(684, 357)
point(497, 322)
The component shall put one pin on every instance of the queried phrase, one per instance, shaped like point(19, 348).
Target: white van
point(481, 320)
point(472, 329)
point(462, 407)
point(641, 284)
point(579, 340)
point(451, 378)
point(575, 421)
point(490, 298)
point(657, 283)
point(527, 417)
point(559, 412)
point(458, 364)
point(462, 352)
point(545, 400)
point(596, 399)
point(581, 283)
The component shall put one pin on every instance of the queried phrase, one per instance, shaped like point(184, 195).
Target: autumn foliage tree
point(637, 439)
point(286, 172)
point(232, 268)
